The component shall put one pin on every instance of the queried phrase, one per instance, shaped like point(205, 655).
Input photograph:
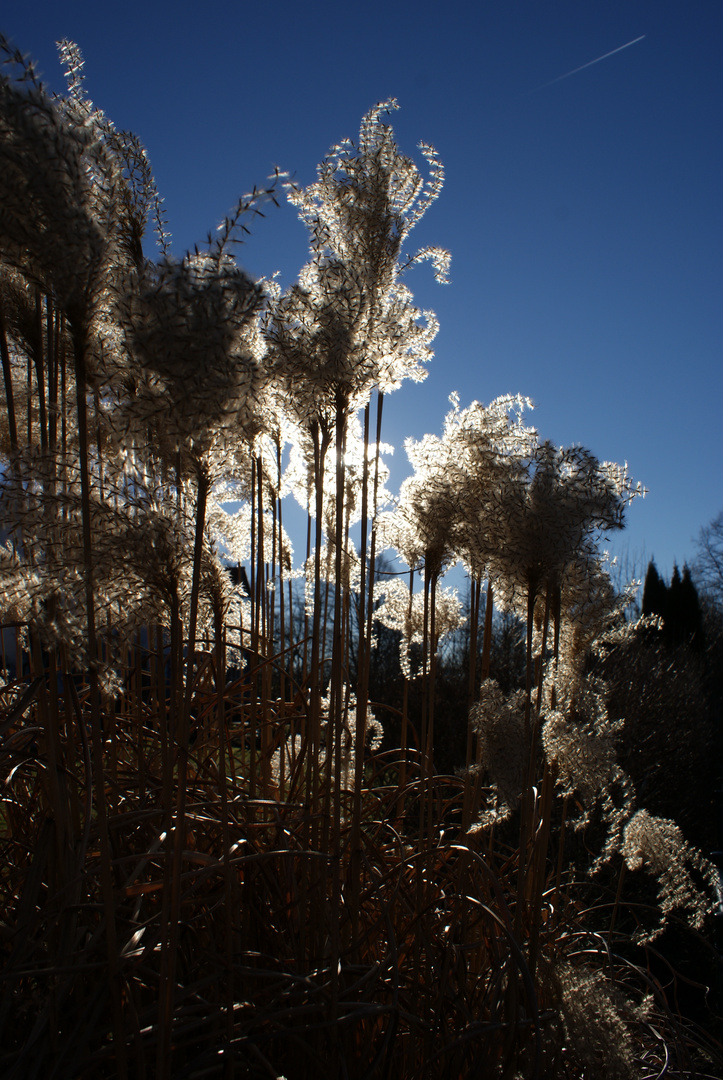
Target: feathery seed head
point(658, 845)
point(500, 724)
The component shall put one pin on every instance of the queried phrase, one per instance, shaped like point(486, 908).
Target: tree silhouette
point(654, 592)
point(676, 604)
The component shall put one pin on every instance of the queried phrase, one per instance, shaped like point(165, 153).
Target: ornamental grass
point(215, 860)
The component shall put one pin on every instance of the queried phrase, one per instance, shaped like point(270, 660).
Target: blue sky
point(584, 217)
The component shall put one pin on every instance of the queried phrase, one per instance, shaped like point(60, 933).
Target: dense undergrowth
point(214, 863)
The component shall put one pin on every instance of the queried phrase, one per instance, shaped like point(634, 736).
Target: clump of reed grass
point(210, 865)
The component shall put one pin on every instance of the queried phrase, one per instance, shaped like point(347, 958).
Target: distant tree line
point(676, 604)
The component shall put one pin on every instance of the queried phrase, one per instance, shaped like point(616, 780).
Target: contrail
point(589, 63)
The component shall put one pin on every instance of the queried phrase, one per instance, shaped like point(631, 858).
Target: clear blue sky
point(584, 217)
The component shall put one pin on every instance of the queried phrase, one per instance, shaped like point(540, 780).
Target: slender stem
point(79, 345)
point(487, 638)
point(39, 356)
point(373, 548)
point(166, 997)
point(7, 375)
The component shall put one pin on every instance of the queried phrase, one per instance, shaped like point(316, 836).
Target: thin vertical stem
point(167, 990)
point(95, 707)
point(39, 357)
point(8, 378)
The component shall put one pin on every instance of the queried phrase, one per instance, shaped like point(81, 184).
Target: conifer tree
point(654, 592)
point(676, 604)
point(690, 613)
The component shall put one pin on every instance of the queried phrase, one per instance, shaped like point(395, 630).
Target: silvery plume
point(404, 611)
point(349, 325)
